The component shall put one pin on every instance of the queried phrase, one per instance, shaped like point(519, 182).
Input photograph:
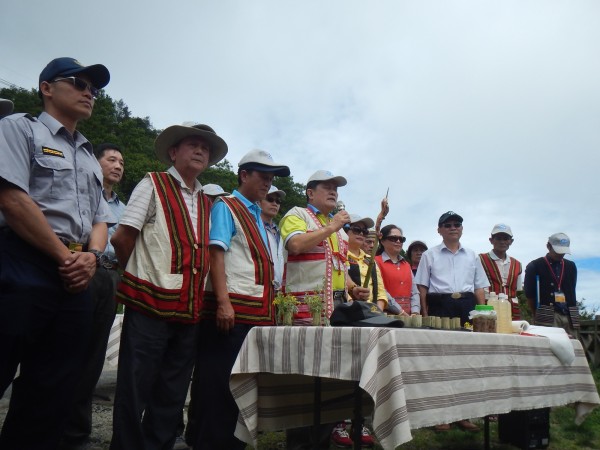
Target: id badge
point(559, 297)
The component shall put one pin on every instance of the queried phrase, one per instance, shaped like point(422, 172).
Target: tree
point(113, 122)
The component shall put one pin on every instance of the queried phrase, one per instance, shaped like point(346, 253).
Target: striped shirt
point(141, 208)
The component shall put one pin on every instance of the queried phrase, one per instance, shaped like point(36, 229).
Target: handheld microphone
point(340, 206)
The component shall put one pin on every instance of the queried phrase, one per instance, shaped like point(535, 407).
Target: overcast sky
point(487, 108)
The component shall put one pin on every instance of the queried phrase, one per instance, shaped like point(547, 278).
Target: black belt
point(452, 295)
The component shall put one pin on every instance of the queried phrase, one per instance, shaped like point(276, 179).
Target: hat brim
point(454, 216)
point(561, 250)
point(339, 181)
point(278, 192)
point(366, 221)
point(278, 171)
point(174, 134)
point(97, 73)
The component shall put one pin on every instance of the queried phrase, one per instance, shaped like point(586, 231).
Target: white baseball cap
point(326, 175)
point(274, 190)
point(501, 228)
point(214, 190)
point(262, 161)
point(560, 243)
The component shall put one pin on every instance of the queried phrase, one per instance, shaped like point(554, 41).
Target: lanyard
point(562, 272)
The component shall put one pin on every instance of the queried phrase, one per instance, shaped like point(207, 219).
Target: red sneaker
point(340, 437)
point(366, 440)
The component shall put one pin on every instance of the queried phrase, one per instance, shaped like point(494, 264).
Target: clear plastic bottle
point(504, 313)
point(493, 300)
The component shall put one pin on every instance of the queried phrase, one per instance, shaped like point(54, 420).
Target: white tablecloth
point(413, 378)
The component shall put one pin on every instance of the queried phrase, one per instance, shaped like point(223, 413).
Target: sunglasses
point(358, 230)
point(502, 237)
point(396, 239)
point(452, 225)
point(273, 199)
point(80, 84)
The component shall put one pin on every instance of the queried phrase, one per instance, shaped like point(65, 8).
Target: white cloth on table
point(559, 342)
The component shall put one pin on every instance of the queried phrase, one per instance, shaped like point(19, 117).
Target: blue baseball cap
point(66, 67)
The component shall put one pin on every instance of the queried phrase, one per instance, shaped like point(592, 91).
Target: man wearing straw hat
point(162, 243)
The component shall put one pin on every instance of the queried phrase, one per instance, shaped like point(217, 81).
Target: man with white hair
point(162, 241)
point(550, 283)
point(503, 271)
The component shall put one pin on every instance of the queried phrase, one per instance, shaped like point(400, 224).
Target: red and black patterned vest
point(155, 294)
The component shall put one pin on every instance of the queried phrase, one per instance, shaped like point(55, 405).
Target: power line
point(9, 84)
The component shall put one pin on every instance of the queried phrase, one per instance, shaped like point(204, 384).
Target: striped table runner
point(114, 340)
point(413, 378)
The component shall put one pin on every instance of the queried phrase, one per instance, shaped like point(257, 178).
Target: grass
point(564, 434)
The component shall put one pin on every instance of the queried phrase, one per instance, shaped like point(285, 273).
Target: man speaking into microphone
point(315, 252)
point(316, 246)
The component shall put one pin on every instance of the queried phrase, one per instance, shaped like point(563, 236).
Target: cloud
point(487, 108)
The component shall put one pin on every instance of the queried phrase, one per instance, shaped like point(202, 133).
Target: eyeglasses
point(396, 239)
point(273, 199)
point(452, 225)
point(80, 84)
point(358, 230)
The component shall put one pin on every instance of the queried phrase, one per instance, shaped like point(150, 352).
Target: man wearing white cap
point(270, 206)
point(213, 191)
point(550, 283)
point(316, 254)
point(240, 296)
point(503, 271)
point(162, 241)
point(316, 246)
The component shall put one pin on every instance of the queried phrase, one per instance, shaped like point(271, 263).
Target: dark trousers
point(443, 305)
point(215, 411)
point(102, 288)
point(156, 358)
point(46, 330)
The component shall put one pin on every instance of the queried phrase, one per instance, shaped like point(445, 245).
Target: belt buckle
point(75, 247)
point(456, 295)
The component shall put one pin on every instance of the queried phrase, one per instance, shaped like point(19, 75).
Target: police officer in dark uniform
point(53, 228)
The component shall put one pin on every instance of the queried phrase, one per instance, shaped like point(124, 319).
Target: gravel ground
point(102, 408)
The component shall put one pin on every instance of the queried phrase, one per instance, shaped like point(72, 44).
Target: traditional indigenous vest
point(306, 272)
point(495, 279)
point(166, 271)
point(248, 269)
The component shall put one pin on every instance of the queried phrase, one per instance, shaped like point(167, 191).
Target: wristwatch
point(100, 257)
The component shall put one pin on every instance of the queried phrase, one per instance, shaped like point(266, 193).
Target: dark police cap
point(67, 67)
point(362, 314)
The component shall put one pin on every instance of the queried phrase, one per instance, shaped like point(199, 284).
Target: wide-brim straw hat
point(174, 134)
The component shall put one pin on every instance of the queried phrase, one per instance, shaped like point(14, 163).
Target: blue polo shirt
point(222, 226)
